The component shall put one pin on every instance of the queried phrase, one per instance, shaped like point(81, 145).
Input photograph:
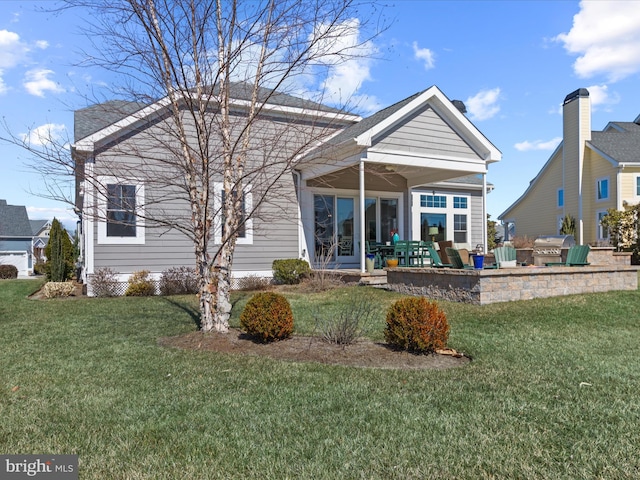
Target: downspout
point(298, 187)
point(362, 221)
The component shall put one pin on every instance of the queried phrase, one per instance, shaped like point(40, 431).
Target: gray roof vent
point(459, 104)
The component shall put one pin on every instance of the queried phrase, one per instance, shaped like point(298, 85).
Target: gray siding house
point(417, 164)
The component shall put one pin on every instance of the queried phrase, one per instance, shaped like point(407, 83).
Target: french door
point(335, 237)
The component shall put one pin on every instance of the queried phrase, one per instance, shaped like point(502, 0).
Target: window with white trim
point(603, 233)
point(433, 201)
point(245, 228)
point(602, 189)
point(460, 228)
point(560, 197)
point(459, 202)
point(121, 212)
point(637, 186)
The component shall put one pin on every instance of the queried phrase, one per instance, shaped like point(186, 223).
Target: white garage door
point(19, 259)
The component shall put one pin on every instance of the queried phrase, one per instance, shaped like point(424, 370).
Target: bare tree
point(205, 74)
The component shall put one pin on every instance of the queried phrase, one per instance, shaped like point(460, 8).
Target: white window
point(602, 189)
point(245, 229)
point(121, 212)
point(602, 232)
point(637, 186)
point(460, 228)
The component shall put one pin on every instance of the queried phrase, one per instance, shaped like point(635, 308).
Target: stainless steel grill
point(549, 248)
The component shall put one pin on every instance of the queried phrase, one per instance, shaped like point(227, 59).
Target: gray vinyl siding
point(140, 156)
point(425, 133)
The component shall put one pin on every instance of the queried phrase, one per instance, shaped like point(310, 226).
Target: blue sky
point(511, 62)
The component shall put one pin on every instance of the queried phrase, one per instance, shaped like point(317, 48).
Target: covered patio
point(365, 183)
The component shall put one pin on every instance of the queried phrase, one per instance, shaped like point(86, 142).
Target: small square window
point(459, 202)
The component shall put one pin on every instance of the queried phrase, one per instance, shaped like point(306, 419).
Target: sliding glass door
point(334, 228)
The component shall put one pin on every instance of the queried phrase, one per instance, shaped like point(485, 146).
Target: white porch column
point(362, 222)
point(484, 213)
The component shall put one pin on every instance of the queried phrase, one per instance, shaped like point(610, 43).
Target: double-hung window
point(121, 212)
point(245, 227)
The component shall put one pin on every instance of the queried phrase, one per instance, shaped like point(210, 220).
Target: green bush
point(140, 285)
point(179, 281)
point(417, 325)
point(59, 253)
point(267, 317)
point(290, 271)
point(8, 271)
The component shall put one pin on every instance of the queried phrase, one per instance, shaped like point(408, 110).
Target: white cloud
point(538, 145)
point(348, 60)
point(42, 44)
point(600, 95)
point(37, 82)
point(484, 104)
point(64, 215)
point(606, 38)
point(425, 55)
point(12, 49)
point(45, 135)
point(3, 86)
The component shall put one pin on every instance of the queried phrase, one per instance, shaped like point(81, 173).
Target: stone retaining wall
point(503, 285)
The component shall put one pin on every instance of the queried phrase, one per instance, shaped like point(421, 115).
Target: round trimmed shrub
point(8, 272)
point(416, 324)
point(140, 285)
point(267, 317)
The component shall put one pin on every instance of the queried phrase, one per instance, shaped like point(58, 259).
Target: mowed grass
point(553, 391)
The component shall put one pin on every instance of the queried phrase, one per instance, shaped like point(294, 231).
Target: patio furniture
point(435, 259)
point(505, 257)
point(372, 249)
point(456, 259)
point(442, 246)
point(576, 257)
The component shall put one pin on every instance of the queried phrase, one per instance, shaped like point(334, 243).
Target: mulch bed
point(364, 353)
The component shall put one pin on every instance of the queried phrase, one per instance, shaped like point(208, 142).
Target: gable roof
point(619, 144)
point(364, 131)
point(38, 225)
point(14, 221)
point(101, 120)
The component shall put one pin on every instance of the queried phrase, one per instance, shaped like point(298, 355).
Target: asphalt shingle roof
point(14, 221)
point(94, 118)
point(623, 147)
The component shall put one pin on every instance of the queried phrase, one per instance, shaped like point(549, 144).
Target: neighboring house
point(417, 164)
point(40, 230)
point(588, 173)
point(21, 239)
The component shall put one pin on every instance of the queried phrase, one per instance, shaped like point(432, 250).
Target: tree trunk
point(223, 305)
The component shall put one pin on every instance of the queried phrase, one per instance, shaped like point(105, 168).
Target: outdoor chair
point(456, 259)
point(400, 252)
point(576, 257)
point(505, 257)
point(442, 245)
point(435, 259)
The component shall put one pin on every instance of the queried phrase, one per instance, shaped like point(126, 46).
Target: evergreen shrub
point(290, 271)
point(267, 317)
point(417, 325)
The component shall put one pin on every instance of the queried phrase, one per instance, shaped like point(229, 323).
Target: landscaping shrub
point(179, 281)
point(59, 252)
point(290, 271)
point(140, 285)
point(58, 289)
point(40, 268)
point(416, 324)
point(267, 317)
point(350, 323)
point(8, 271)
point(104, 283)
point(252, 283)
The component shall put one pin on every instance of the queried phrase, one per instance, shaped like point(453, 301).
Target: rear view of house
point(418, 167)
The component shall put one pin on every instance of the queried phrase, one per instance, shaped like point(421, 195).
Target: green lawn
point(553, 391)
